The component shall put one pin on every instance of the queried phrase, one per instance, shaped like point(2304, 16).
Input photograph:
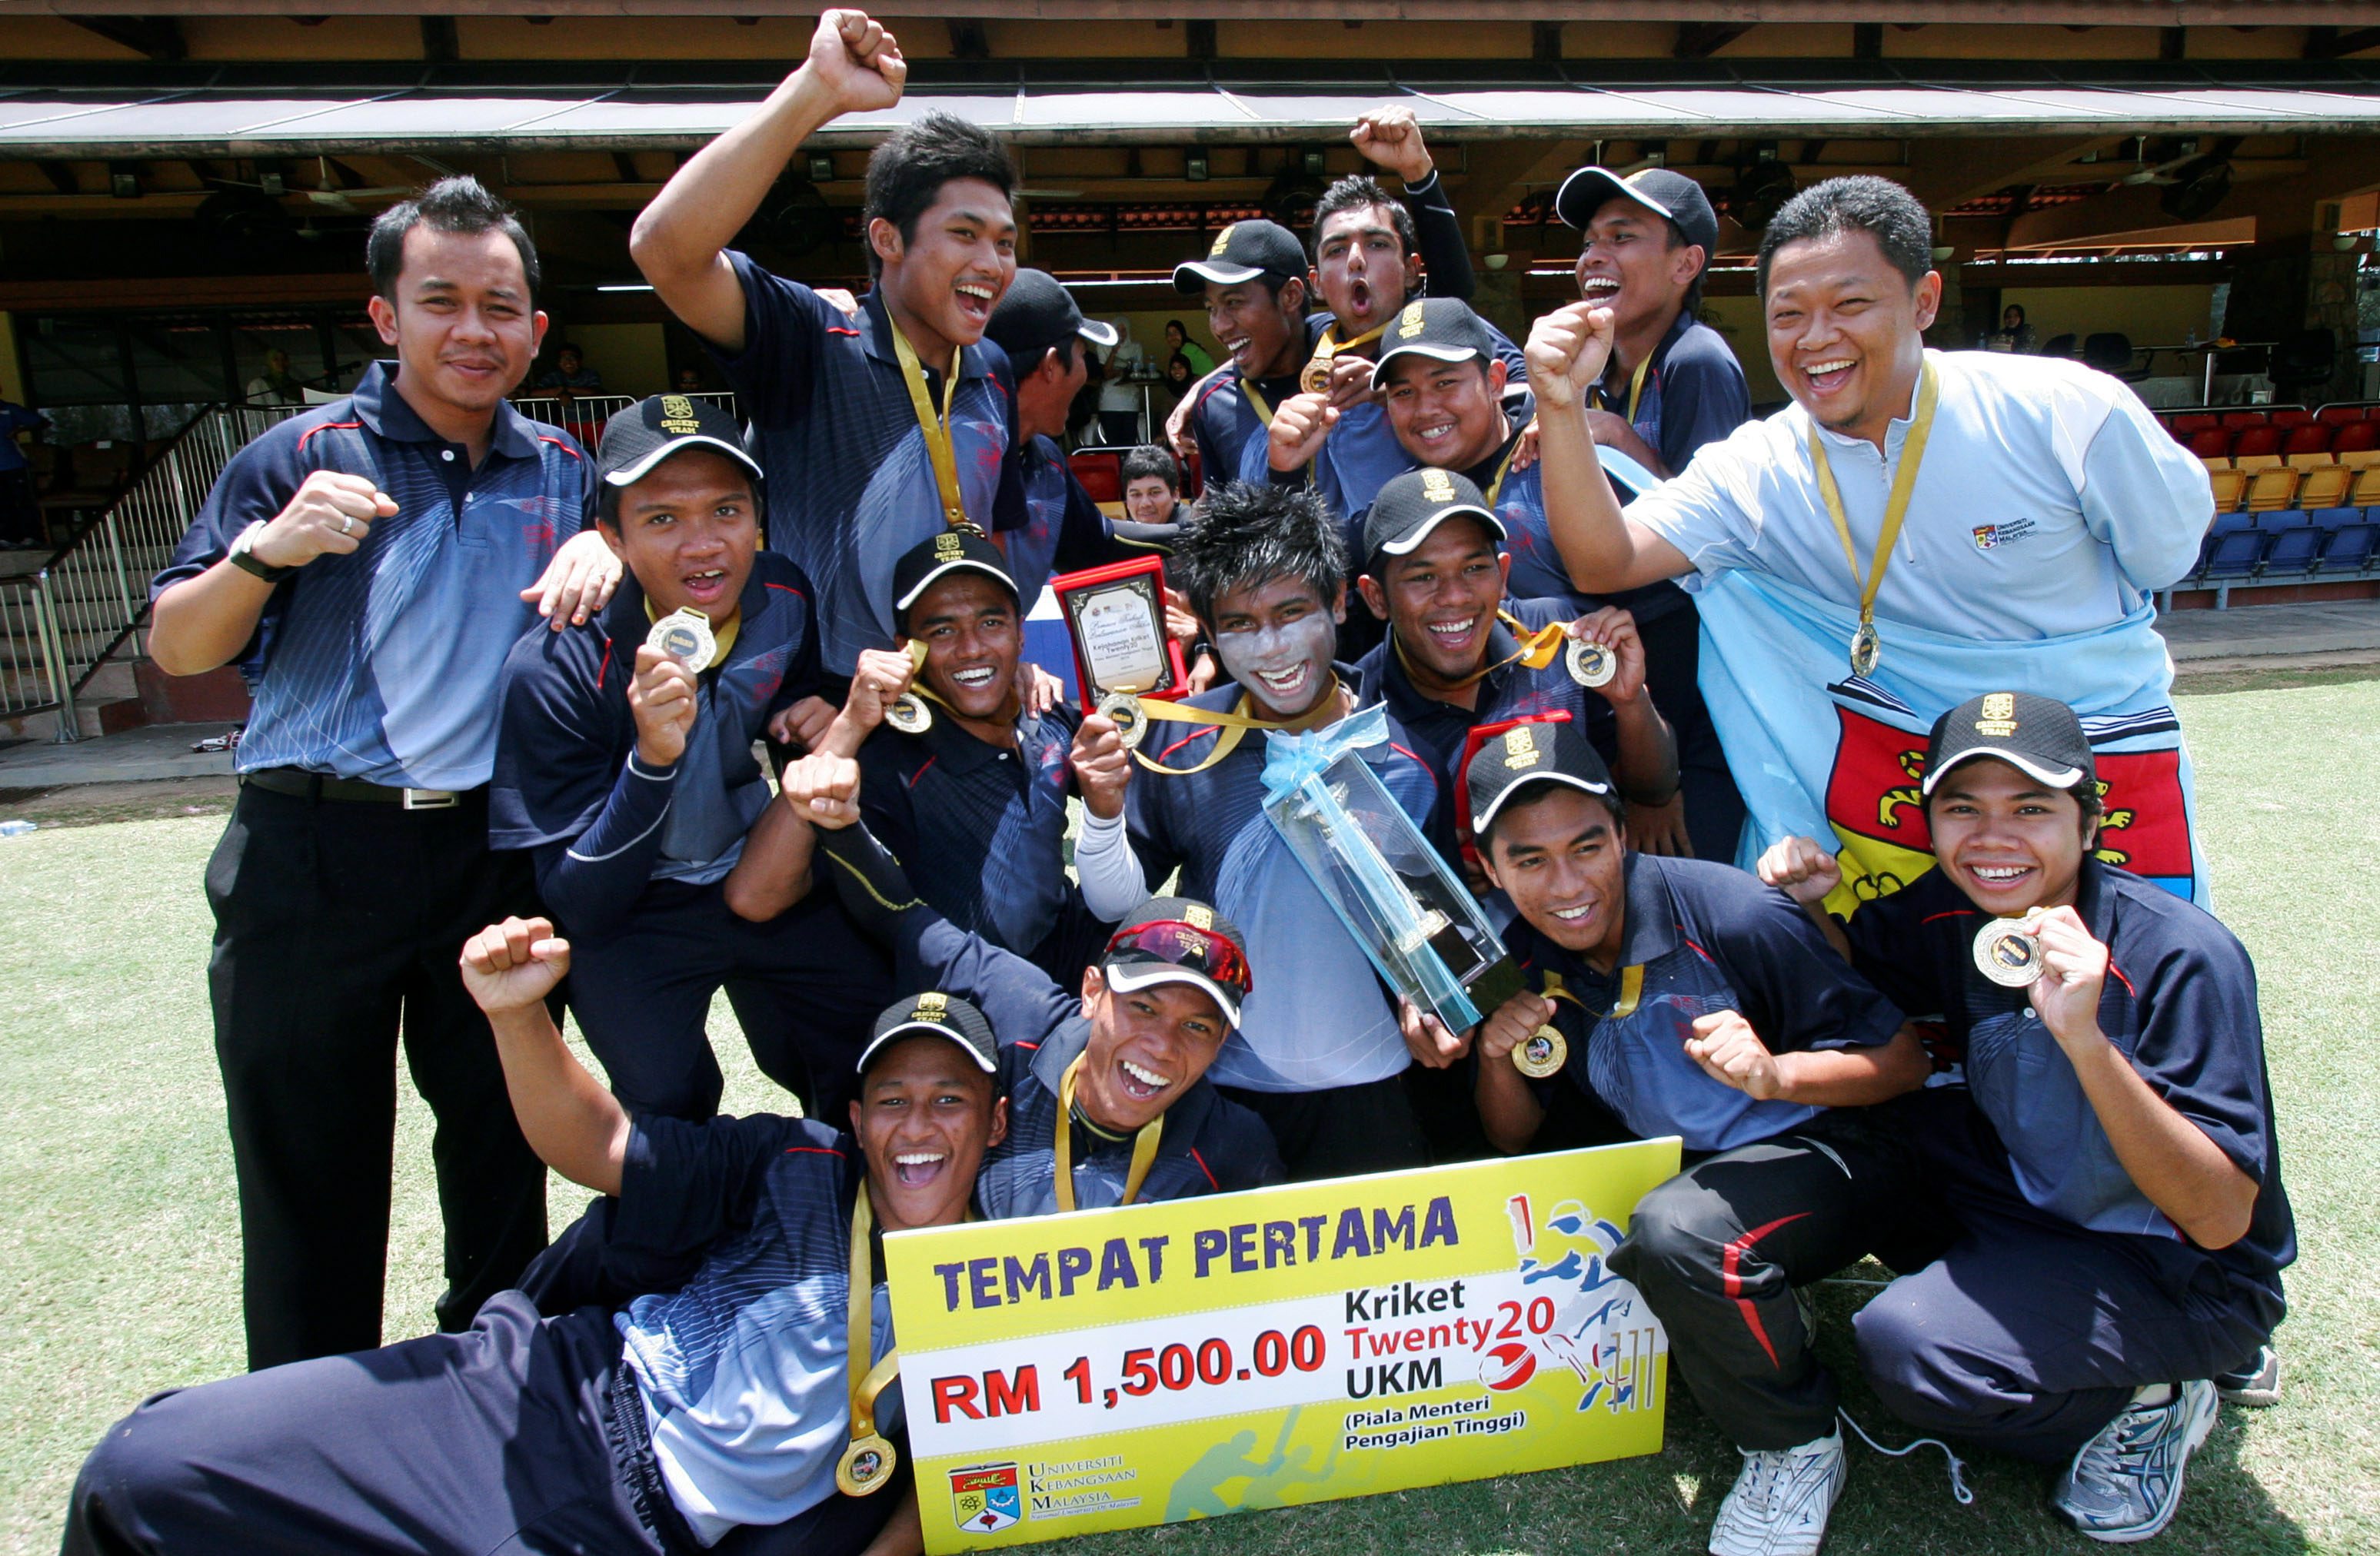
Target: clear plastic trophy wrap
point(1422, 929)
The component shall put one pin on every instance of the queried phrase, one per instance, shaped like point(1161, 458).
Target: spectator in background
point(277, 385)
point(1152, 486)
point(1178, 341)
point(2014, 334)
point(20, 519)
point(1180, 374)
point(689, 381)
point(1120, 390)
point(569, 373)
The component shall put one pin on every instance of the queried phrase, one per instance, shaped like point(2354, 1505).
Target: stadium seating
point(2293, 416)
point(2349, 547)
point(2365, 493)
point(2271, 488)
point(2324, 485)
point(2261, 444)
point(2308, 439)
point(2238, 420)
point(2234, 556)
point(2211, 443)
point(2189, 424)
point(2339, 416)
point(2230, 487)
point(1101, 473)
point(2356, 443)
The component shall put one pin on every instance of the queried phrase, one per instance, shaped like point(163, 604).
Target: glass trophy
point(1425, 933)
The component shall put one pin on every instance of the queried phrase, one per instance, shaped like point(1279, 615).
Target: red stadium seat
point(2188, 424)
point(2238, 419)
point(2306, 438)
point(2292, 416)
point(1193, 480)
point(2353, 436)
point(2212, 442)
point(2337, 415)
point(2256, 441)
point(1101, 473)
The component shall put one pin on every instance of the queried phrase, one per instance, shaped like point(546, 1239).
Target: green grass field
point(119, 1253)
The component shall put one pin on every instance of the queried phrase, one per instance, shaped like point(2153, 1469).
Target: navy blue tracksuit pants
point(806, 987)
point(519, 1436)
point(2029, 1334)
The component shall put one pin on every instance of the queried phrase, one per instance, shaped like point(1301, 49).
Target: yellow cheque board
point(1114, 1369)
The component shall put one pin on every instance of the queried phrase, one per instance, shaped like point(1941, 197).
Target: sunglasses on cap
point(1186, 945)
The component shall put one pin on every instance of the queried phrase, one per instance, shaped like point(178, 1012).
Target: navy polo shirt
point(1507, 694)
point(567, 781)
point(1709, 938)
point(1694, 392)
point(979, 828)
point(1209, 1145)
point(1063, 529)
point(382, 664)
point(1538, 570)
point(743, 1368)
point(1223, 419)
point(1317, 1016)
point(2179, 1002)
point(851, 486)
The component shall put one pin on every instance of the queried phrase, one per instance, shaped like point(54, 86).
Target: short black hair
point(1353, 193)
point(1611, 802)
point(459, 204)
point(908, 170)
point(1247, 532)
point(1861, 202)
point(1152, 459)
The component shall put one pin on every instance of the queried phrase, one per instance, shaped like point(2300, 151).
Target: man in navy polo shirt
point(1318, 1055)
point(364, 564)
point(627, 775)
point(1254, 282)
point(1455, 668)
point(1119, 1058)
point(869, 444)
point(1691, 1000)
point(2108, 1172)
point(718, 1409)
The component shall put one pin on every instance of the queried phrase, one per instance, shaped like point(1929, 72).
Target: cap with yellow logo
point(651, 430)
point(1443, 329)
point(1243, 251)
point(2040, 736)
point(1538, 752)
point(1410, 506)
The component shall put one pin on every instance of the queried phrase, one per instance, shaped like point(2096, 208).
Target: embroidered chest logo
point(1990, 536)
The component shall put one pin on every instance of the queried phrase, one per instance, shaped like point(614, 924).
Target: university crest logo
point(986, 1497)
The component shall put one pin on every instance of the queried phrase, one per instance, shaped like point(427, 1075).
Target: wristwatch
point(243, 557)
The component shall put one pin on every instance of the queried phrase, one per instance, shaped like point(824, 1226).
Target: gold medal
point(1543, 1053)
point(1867, 648)
point(1590, 663)
point(865, 1463)
point(1315, 377)
point(909, 714)
point(684, 635)
point(1122, 711)
point(2009, 953)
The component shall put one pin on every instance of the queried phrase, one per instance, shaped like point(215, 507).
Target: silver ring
point(347, 524)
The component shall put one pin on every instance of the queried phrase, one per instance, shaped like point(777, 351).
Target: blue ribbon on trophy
point(1419, 926)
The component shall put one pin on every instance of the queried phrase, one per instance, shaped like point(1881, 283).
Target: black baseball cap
point(1242, 252)
point(640, 437)
point(1037, 313)
point(1180, 940)
point(2039, 735)
point(1556, 751)
point(1443, 329)
point(951, 551)
point(1409, 506)
point(1672, 194)
point(941, 1014)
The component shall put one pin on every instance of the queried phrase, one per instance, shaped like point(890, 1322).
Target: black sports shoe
point(2258, 1384)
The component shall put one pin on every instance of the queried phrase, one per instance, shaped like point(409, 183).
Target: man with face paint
point(2107, 1178)
point(1319, 1053)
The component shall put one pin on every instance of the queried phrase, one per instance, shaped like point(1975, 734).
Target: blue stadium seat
point(2275, 520)
point(2294, 550)
point(2232, 522)
point(2329, 520)
point(2235, 554)
point(2350, 548)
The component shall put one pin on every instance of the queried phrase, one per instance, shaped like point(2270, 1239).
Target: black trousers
point(1717, 1250)
point(807, 988)
point(520, 1435)
point(1714, 810)
point(338, 929)
point(1341, 1132)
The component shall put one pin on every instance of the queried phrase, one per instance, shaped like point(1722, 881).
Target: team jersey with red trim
point(382, 664)
point(1710, 938)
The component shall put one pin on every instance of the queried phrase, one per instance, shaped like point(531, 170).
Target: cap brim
point(1406, 546)
point(1435, 353)
point(1480, 822)
point(1195, 275)
point(1124, 977)
point(983, 1061)
point(955, 564)
point(1097, 332)
point(1597, 184)
point(637, 472)
point(2056, 778)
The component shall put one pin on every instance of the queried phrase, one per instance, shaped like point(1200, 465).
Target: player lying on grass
point(727, 1408)
point(2107, 1179)
point(1109, 1102)
point(1692, 1000)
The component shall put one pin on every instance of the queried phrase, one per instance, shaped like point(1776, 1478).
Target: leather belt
point(322, 786)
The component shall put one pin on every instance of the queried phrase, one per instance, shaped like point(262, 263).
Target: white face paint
point(1285, 665)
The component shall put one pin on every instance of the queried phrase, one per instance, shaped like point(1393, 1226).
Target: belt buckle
point(431, 799)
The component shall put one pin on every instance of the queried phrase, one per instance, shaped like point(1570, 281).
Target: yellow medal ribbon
point(1235, 725)
point(1144, 1145)
point(1264, 411)
point(1636, 389)
point(1327, 345)
point(1632, 990)
point(937, 429)
point(1495, 486)
point(868, 1462)
point(1865, 646)
point(1537, 650)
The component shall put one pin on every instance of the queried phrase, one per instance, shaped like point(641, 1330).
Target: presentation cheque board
point(1119, 1368)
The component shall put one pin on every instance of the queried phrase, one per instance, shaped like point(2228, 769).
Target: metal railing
point(60, 623)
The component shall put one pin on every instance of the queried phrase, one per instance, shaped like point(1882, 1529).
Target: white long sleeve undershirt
point(1110, 872)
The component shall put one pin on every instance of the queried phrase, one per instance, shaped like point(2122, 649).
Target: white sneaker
point(1779, 1504)
point(2126, 1483)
